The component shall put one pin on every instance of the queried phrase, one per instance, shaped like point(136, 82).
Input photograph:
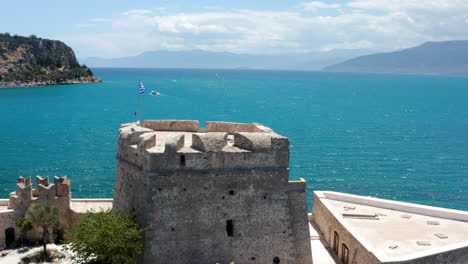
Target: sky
point(118, 28)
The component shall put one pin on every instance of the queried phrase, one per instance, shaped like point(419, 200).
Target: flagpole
point(139, 103)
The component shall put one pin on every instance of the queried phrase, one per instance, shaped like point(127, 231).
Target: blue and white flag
point(142, 88)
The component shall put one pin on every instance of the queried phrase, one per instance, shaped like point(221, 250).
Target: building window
point(344, 254)
point(336, 242)
point(182, 160)
point(229, 228)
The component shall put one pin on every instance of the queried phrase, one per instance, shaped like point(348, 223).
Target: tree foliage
point(24, 226)
point(45, 217)
point(106, 237)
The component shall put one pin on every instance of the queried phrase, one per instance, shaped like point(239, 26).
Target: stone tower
point(212, 195)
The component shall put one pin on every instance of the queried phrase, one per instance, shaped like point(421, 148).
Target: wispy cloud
point(213, 8)
point(436, 6)
point(316, 5)
point(373, 24)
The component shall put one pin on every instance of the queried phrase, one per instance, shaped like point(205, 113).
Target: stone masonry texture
point(212, 195)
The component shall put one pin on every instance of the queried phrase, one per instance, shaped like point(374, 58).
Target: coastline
point(19, 84)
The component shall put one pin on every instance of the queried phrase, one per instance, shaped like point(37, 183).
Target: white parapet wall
point(338, 204)
point(398, 206)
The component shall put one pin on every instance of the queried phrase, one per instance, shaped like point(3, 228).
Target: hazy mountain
point(199, 59)
point(447, 58)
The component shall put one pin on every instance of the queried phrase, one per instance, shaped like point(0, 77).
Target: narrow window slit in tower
point(182, 160)
point(230, 228)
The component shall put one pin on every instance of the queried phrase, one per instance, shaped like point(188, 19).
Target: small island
point(32, 61)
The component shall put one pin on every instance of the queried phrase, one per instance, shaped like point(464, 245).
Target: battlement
point(171, 144)
point(194, 126)
point(44, 191)
point(222, 191)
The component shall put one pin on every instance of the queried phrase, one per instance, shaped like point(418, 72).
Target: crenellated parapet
point(222, 191)
point(169, 144)
point(57, 193)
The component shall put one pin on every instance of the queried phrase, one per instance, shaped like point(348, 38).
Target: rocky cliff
point(32, 61)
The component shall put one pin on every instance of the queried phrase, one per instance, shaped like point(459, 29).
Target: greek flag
point(142, 88)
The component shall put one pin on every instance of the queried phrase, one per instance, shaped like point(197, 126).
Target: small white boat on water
point(154, 93)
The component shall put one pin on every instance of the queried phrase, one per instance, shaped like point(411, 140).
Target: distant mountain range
point(444, 58)
point(199, 59)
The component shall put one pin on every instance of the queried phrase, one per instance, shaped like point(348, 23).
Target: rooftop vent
point(347, 207)
point(423, 243)
point(393, 246)
point(441, 236)
point(361, 216)
point(433, 222)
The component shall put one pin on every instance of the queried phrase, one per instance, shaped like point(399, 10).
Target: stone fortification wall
point(8, 219)
point(217, 194)
point(55, 194)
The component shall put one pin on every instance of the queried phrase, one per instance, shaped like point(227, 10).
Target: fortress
point(223, 194)
point(213, 195)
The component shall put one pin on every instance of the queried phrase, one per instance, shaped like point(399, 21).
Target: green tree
point(106, 237)
point(45, 217)
point(24, 226)
point(5, 35)
point(33, 36)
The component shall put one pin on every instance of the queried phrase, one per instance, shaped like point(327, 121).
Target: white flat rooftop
point(85, 205)
point(395, 230)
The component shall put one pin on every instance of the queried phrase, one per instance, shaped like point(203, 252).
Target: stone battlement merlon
point(44, 191)
point(185, 136)
point(194, 126)
point(183, 145)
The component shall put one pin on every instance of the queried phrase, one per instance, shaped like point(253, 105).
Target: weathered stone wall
point(8, 219)
point(55, 194)
point(297, 204)
point(223, 197)
point(130, 192)
point(190, 215)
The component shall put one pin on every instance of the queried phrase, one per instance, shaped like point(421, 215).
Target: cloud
point(213, 8)
point(400, 5)
point(316, 5)
point(370, 24)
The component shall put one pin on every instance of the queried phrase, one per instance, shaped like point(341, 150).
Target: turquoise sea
point(390, 136)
